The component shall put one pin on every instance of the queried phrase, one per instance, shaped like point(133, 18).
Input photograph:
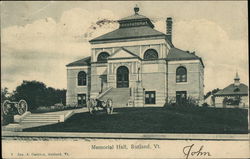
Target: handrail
point(103, 93)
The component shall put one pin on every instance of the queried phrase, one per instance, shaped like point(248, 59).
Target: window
point(81, 99)
point(102, 57)
point(82, 78)
point(181, 74)
point(149, 97)
point(181, 96)
point(151, 54)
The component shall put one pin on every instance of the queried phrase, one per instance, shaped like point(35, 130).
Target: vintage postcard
point(124, 79)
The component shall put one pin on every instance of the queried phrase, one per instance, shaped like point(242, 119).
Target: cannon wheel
point(22, 107)
point(6, 107)
point(109, 106)
point(91, 105)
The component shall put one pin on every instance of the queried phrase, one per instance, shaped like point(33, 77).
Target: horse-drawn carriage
point(95, 105)
point(14, 108)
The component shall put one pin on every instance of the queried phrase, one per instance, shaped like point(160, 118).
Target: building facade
point(234, 95)
point(136, 65)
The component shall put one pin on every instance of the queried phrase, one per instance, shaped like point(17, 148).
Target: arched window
point(102, 57)
point(82, 78)
point(181, 74)
point(151, 54)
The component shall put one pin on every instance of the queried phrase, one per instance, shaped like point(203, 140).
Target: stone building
point(136, 65)
point(234, 95)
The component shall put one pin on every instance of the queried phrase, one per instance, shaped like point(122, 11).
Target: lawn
point(155, 120)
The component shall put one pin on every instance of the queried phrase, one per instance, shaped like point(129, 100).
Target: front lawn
point(155, 120)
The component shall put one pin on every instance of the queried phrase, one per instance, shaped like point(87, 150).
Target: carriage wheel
point(22, 107)
point(109, 106)
point(6, 107)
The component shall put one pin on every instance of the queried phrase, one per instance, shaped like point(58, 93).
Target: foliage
point(37, 94)
point(5, 94)
point(205, 105)
point(184, 103)
point(54, 108)
point(211, 92)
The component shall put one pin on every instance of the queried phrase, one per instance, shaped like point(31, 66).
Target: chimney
point(169, 28)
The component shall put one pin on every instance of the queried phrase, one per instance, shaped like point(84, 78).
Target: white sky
point(39, 38)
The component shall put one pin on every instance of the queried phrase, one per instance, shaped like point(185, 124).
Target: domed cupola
point(135, 20)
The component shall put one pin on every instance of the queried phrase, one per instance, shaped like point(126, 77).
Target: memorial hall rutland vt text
point(136, 65)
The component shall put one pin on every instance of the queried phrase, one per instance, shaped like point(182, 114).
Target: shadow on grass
point(155, 120)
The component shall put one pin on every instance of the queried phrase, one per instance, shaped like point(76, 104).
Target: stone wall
point(154, 79)
point(139, 50)
point(72, 84)
point(195, 77)
point(98, 78)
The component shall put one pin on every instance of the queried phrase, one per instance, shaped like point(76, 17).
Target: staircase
point(120, 96)
point(42, 118)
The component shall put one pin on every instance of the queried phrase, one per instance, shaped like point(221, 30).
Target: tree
point(4, 93)
point(54, 96)
point(215, 90)
point(211, 92)
point(33, 92)
point(37, 94)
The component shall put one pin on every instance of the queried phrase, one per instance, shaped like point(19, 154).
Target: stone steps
point(42, 118)
point(120, 96)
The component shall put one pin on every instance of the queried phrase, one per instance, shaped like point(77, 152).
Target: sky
point(39, 38)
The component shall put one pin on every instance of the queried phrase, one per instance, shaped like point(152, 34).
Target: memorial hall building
point(136, 65)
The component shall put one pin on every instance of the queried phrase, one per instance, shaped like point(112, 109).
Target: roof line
point(122, 48)
point(78, 61)
point(98, 40)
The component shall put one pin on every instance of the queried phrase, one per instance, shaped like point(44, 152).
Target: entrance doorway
point(122, 77)
point(81, 100)
point(181, 97)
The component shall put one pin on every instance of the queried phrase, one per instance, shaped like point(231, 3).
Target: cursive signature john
point(190, 151)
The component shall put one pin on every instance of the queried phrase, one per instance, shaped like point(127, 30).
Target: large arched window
point(102, 57)
point(151, 54)
point(181, 74)
point(82, 78)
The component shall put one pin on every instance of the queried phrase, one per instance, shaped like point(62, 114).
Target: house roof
point(242, 89)
point(131, 27)
point(83, 62)
point(130, 33)
point(178, 54)
point(135, 16)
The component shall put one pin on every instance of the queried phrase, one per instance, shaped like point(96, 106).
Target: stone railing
point(103, 93)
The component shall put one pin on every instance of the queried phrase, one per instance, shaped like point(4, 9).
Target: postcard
point(124, 79)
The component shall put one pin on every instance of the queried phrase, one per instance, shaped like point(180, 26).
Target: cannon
point(94, 105)
point(14, 108)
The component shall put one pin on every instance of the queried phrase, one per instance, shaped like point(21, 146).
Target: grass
point(155, 120)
